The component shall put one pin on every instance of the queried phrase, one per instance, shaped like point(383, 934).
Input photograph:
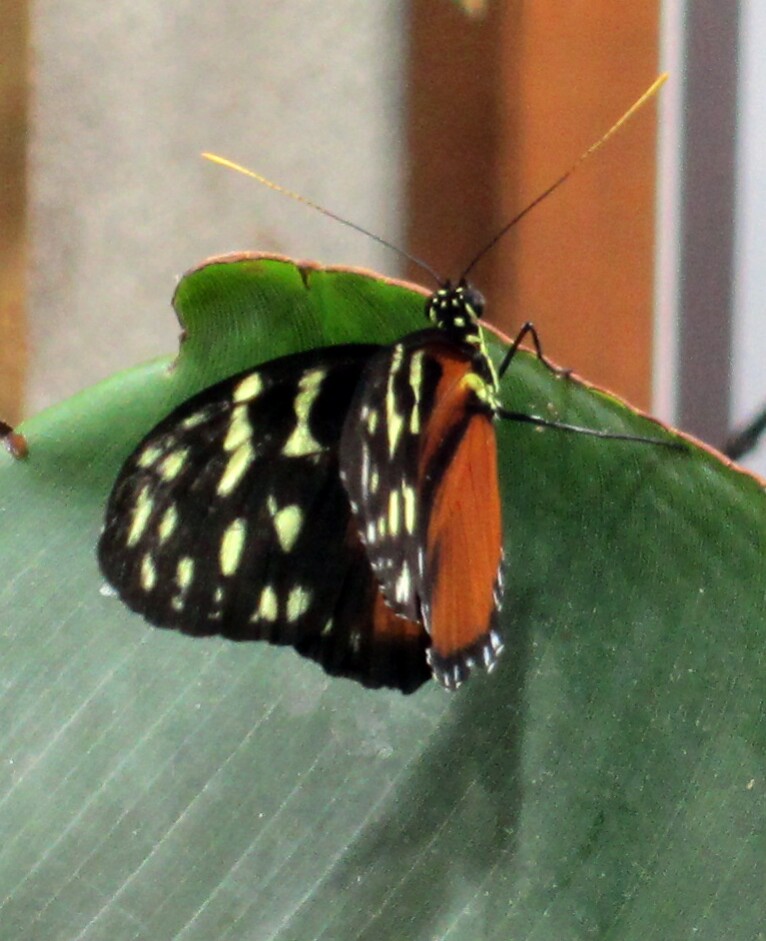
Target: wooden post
point(13, 121)
point(543, 81)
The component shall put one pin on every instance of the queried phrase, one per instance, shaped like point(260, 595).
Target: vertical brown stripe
point(707, 227)
point(499, 108)
point(13, 122)
point(455, 113)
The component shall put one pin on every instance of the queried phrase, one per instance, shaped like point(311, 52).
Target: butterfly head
point(456, 308)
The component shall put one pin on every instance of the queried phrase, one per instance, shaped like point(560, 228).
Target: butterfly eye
point(473, 300)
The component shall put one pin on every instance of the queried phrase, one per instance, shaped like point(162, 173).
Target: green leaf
point(607, 781)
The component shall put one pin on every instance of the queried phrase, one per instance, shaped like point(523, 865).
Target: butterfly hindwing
point(418, 458)
point(231, 518)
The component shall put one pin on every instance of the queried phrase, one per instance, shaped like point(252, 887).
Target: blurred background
point(430, 122)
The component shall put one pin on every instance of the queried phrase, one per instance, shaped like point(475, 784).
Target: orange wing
point(463, 535)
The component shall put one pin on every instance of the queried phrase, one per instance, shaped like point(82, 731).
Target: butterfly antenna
point(647, 95)
point(222, 161)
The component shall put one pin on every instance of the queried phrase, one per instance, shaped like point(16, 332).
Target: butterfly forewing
point(418, 461)
point(463, 540)
point(379, 454)
point(231, 518)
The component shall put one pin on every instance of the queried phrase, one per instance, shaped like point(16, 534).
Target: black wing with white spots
point(418, 459)
point(380, 451)
point(231, 518)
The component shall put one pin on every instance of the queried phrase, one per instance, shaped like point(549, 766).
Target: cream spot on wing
point(268, 605)
point(149, 455)
point(372, 420)
point(148, 573)
point(168, 523)
point(235, 469)
point(185, 572)
point(395, 425)
point(172, 464)
point(393, 513)
point(301, 441)
point(249, 388)
point(298, 602)
point(288, 523)
point(416, 381)
point(196, 418)
point(408, 497)
point(240, 429)
point(327, 629)
point(374, 481)
point(403, 587)
point(232, 544)
point(484, 392)
point(141, 513)
point(394, 419)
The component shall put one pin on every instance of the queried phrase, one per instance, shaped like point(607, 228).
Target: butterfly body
point(342, 500)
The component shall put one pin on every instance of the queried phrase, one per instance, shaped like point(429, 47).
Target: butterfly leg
point(743, 441)
point(528, 330)
point(592, 432)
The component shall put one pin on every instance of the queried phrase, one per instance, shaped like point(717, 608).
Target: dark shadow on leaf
point(446, 848)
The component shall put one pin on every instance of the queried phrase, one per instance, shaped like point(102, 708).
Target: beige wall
point(125, 96)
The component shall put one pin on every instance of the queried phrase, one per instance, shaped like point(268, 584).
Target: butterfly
point(342, 500)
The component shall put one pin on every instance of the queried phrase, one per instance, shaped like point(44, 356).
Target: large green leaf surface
point(607, 781)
